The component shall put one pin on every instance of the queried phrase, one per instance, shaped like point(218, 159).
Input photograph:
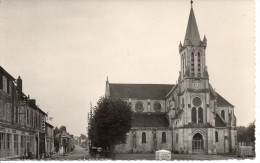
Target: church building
point(186, 117)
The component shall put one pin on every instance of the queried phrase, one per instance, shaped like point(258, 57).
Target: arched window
point(223, 114)
point(199, 63)
point(183, 62)
point(200, 115)
point(143, 137)
point(198, 57)
point(157, 106)
point(192, 63)
point(216, 136)
point(194, 115)
point(163, 137)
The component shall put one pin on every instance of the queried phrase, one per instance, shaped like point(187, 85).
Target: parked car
point(245, 151)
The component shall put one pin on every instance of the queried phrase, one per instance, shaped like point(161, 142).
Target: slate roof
point(141, 91)
point(219, 122)
point(192, 31)
point(222, 102)
point(4, 72)
point(149, 120)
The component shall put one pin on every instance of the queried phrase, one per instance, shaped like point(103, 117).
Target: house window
point(1, 81)
point(194, 115)
point(10, 88)
point(4, 84)
point(163, 137)
point(2, 145)
point(216, 136)
point(27, 117)
point(143, 137)
point(1, 109)
point(16, 147)
point(200, 115)
point(32, 144)
point(8, 145)
point(223, 114)
point(36, 121)
point(31, 119)
point(177, 137)
point(16, 114)
point(7, 86)
point(23, 144)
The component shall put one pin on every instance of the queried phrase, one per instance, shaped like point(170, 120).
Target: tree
point(246, 134)
point(63, 128)
point(251, 132)
point(111, 120)
point(241, 134)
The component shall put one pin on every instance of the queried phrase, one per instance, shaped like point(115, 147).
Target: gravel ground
point(151, 156)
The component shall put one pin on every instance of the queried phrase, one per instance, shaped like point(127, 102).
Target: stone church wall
point(164, 145)
point(144, 147)
point(147, 107)
point(233, 139)
point(220, 143)
point(149, 146)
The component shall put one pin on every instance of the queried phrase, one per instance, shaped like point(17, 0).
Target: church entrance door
point(197, 143)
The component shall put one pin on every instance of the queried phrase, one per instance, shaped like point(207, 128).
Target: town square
point(127, 80)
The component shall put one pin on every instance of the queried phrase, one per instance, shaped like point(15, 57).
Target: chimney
point(32, 101)
point(20, 84)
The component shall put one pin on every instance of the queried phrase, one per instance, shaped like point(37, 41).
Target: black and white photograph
point(128, 80)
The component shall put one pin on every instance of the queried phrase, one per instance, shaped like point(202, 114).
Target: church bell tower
point(193, 82)
point(192, 52)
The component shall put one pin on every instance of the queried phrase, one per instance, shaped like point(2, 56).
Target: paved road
point(78, 154)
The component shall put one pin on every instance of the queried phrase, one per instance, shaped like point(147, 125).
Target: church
point(186, 117)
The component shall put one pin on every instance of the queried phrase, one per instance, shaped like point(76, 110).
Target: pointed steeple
point(192, 32)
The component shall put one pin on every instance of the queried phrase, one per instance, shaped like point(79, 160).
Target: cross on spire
point(191, 2)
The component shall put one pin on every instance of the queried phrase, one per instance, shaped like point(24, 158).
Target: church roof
point(192, 31)
point(219, 122)
point(141, 91)
point(222, 102)
point(149, 120)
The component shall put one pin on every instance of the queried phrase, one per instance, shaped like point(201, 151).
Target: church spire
point(192, 33)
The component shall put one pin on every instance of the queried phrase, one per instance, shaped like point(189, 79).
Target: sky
point(64, 50)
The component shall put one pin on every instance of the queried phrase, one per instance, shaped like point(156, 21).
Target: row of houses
point(23, 127)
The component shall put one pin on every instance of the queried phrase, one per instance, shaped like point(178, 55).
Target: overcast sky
point(64, 50)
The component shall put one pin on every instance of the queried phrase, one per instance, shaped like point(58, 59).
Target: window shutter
point(1, 81)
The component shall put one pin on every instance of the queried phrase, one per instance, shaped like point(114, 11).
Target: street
point(78, 154)
point(151, 156)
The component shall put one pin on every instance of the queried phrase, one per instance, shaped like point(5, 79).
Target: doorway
point(197, 143)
